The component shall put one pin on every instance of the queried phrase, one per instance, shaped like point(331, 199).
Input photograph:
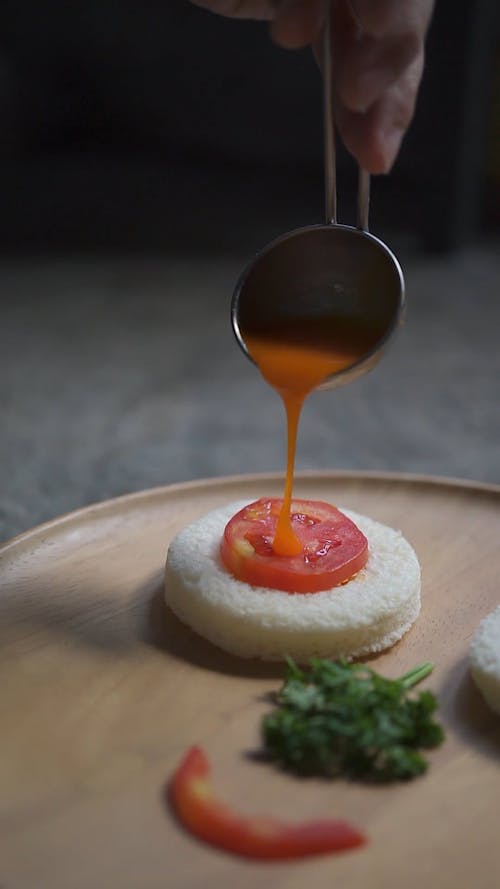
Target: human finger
point(264, 10)
point(379, 41)
point(382, 18)
point(298, 23)
point(374, 137)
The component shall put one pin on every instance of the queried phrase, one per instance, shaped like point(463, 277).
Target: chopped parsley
point(345, 719)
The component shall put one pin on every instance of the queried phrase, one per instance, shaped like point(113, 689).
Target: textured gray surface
point(122, 374)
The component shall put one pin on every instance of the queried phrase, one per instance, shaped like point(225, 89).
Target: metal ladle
point(325, 271)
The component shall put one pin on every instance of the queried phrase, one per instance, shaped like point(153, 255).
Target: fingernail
point(391, 143)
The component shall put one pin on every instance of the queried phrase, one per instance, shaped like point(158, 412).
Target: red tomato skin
point(203, 815)
point(310, 572)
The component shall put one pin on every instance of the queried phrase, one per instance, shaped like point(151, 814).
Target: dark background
point(160, 125)
point(146, 151)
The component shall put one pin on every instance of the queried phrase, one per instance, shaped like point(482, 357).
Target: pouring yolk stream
point(294, 369)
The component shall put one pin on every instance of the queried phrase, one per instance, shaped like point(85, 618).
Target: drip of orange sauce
point(295, 368)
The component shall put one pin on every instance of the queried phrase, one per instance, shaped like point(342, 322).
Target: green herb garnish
point(345, 719)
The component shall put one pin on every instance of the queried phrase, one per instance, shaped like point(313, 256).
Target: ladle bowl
point(330, 276)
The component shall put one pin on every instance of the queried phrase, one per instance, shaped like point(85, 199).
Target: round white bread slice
point(370, 612)
point(484, 652)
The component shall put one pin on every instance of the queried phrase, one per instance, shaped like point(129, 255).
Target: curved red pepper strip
point(192, 799)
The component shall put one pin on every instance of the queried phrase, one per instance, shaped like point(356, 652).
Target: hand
point(378, 59)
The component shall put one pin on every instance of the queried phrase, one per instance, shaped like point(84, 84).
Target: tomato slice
point(258, 837)
point(333, 547)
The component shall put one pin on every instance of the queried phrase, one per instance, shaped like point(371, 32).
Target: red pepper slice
point(209, 819)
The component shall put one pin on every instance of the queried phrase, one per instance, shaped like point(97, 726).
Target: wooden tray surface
point(102, 690)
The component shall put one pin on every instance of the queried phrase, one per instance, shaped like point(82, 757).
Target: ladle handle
point(328, 125)
point(363, 199)
point(329, 142)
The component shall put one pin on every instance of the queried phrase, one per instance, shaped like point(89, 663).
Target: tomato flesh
point(333, 547)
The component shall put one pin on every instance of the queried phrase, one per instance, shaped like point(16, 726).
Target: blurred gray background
point(146, 154)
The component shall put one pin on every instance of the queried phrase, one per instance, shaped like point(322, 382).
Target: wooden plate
point(102, 691)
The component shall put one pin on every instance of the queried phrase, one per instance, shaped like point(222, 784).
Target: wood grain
point(102, 690)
